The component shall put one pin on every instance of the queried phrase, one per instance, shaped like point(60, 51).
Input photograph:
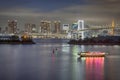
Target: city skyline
point(68, 11)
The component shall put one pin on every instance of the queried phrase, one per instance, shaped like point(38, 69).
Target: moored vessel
point(15, 39)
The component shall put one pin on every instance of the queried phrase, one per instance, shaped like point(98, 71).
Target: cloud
point(91, 12)
point(96, 13)
point(103, 1)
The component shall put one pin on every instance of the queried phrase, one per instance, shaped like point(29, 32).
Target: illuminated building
point(66, 28)
point(6, 29)
point(45, 26)
point(30, 28)
point(57, 25)
point(74, 29)
point(12, 26)
point(33, 28)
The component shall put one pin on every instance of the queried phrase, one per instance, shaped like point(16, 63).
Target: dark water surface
point(42, 61)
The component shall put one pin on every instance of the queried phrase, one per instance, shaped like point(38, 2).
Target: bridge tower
point(80, 27)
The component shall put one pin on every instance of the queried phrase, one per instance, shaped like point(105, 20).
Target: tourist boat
point(92, 54)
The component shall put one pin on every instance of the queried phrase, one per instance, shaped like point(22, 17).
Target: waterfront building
point(74, 34)
point(45, 26)
point(74, 27)
point(66, 28)
point(12, 26)
point(6, 29)
point(33, 28)
point(57, 25)
point(28, 27)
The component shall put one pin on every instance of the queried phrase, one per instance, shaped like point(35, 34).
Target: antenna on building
point(113, 26)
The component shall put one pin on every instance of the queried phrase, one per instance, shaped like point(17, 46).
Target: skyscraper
point(66, 28)
point(6, 29)
point(28, 27)
point(57, 25)
point(12, 26)
point(45, 26)
point(33, 27)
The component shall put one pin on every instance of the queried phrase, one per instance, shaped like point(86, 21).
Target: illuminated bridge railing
point(98, 28)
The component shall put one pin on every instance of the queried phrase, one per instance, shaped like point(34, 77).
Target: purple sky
point(68, 11)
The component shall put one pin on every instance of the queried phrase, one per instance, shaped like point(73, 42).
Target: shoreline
point(94, 43)
point(17, 42)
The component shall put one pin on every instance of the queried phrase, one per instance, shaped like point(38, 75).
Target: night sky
point(98, 12)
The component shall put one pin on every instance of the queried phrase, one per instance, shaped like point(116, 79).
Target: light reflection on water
point(94, 68)
point(37, 62)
